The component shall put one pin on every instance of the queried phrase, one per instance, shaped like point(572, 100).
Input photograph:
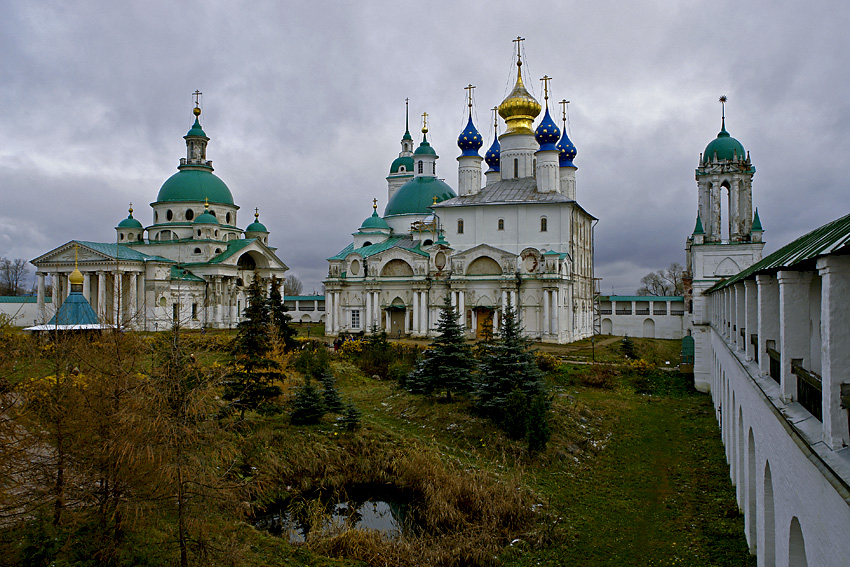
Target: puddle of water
point(294, 519)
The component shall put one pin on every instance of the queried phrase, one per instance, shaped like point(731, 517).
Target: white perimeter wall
point(807, 480)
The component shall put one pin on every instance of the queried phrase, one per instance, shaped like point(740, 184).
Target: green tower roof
point(757, 222)
point(374, 221)
point(417, 195)
point(725, 146)
point(698, 228)
point(406, 161)
point(195, 185)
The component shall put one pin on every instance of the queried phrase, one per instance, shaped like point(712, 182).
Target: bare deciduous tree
point(663, 282)
point(13, 274)
point(292, 285)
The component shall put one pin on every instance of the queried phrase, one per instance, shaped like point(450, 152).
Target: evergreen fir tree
point(333, 401)
point(308, 407)
point(627, 347)
point(279, 317)
point(448, 363)
point(350, 420)
point(510, 382)
point(252, 383)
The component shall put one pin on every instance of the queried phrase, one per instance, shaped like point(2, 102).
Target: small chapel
point(511, 235)
point(191, 266)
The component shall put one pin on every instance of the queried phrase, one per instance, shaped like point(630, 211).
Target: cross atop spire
point(424, 122)
point(469, 88)
point(564, 104)
point(518, 41)
point(406, 114)
point(546, 79)
point(375, 204)
point(256, 213)
point(495, 110)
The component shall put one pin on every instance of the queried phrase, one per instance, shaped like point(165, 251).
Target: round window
point(440, 260)
point(169, 215)
point(355, 267)
point(190, 214)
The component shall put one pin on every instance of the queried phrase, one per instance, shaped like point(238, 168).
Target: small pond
point(367, 507)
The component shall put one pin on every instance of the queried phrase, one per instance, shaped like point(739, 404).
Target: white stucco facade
point(641, 316)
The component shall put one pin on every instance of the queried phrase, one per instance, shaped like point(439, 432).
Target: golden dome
point(76, 277)
point(520, 108)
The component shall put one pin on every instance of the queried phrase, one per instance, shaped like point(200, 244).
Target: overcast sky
point(304, 105)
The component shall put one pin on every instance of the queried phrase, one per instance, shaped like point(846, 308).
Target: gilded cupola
point(519, 109)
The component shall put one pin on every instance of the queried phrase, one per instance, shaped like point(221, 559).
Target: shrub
point(350, 420)
point(308, 407)
point(547, 362)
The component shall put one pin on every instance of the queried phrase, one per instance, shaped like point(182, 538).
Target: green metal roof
point(725, 146)
point(195, 185)
point(121, 251)
point(129, 222)
point(405, 242)
point(206, 218)
point(23, 299)
point(303, 297)
point(256, 226)
point(233, 246)
point(425, 148)
point(698, 229)
point(641, 298)
point(417, 195)
point(196, 130)
point(374, 221)
point(756, 222)
point(75, 310)
point(827, 239)
point(406, 161)
point(181, 273)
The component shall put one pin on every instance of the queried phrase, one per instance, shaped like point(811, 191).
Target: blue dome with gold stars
point(470, 140)
point(493, 155)
point(547, 133)
point(566, 151)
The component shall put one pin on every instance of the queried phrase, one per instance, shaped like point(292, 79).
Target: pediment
point(483, 250)
point(67, 254)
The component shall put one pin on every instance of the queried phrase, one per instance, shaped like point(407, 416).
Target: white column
point(367, 316)
point(66, 290)
point(387, 321)
point(740, 316)
point(39, 276)
point(54, 291)
point(415, 308)
point(546, 312)
point(87, 286)
point(556, 313)
point(751, 301)
point(329, 312)
point(218, 296)
point(461, 309)
point(423, 314)
point(101, 296)
point(835, 356)
point(133, 309)
point(793, 326)
point(340, 312)
point(116, 296)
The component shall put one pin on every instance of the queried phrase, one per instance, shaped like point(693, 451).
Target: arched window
point(516, 168)
point(434, 168)
point(420, 166)
point(401, 169)
point(227, 218)
point(460, 226)
point(428, 242)
point(544, 224)
point(122, 236)
point(197, 250)
point(501, 224)
point(155, 216)
point(169, 215)
point(534, 168)
point(367, 243)
point(190, 214)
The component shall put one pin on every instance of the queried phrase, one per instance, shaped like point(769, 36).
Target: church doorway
point(397, 317)
point(484, 322)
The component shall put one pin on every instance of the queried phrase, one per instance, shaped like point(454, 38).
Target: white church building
point(190, 265)
point(521, 237)
point(771, 339)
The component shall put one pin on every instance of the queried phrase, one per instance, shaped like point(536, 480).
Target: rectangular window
point(355, 318)
point(501, 224)
point(194, 311)
point(460, 226)
point(543, 224)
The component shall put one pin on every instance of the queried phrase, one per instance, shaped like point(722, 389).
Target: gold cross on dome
point(546, 79)
point(518, 41)
point(256, 212)
point(196, 94)
point(424, 122)
point(564, 104)
point(468, 90)
point(375, 204)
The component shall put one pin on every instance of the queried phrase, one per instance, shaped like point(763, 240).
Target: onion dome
point(256, 226)
point(519, 109)
point(129, 222)
point(724, 147)
point(206, 217)
point(566, 151)
point(405, 162)
point(547, 133)
point(425, 148)
point(492, 157)
point(196, 129)
point(417, 195)
point(470, 140)
point(374, 222)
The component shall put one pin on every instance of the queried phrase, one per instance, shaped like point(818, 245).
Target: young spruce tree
point(511, 391)
point(252, 383)
point(448, 363)
point(279, 317)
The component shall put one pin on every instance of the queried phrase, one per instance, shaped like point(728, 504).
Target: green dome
point(206, 218)
point(425, 149)
point(256, 226)
point(407, 162)
point(374, 222)
point(415, 196)
point(725, 146)
point(196, 130)
point(195, 185)
point(130, 222)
